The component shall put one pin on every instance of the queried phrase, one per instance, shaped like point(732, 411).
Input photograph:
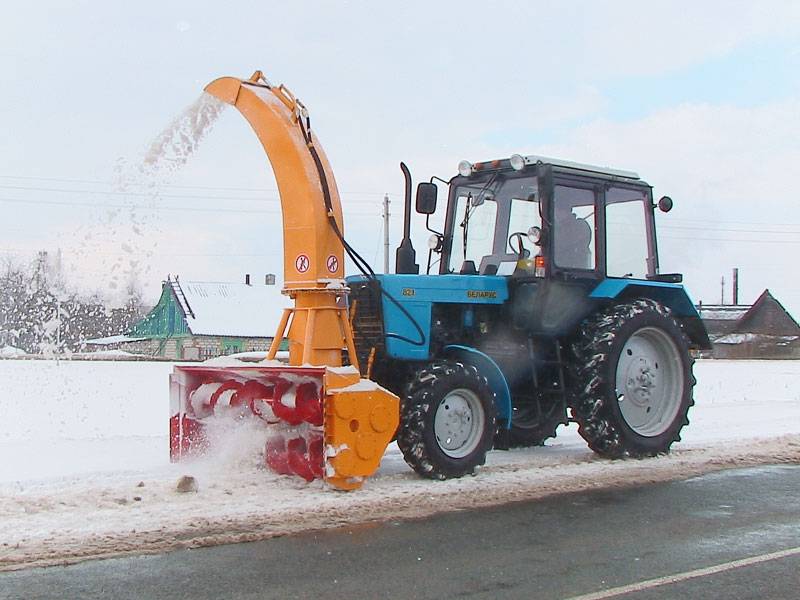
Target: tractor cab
point(545, 218)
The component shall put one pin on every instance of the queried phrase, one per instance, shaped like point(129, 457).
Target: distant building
point(764, 329)
point(196, 320)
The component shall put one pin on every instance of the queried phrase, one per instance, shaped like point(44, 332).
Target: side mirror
point(665, 204)
point(426, 198)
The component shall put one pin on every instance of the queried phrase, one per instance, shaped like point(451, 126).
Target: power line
point(735, 240)
point(153, 196)
point(18, 252)
point(176, 186)
point(273, 211)
point(663, 222)
point(688, 228)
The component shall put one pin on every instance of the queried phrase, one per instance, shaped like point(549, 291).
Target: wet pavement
point(731, 534)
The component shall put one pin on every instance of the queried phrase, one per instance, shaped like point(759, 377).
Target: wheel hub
point(640, 381)
point(458, 423)
point(649, 384)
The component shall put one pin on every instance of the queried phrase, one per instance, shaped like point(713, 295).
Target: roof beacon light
point(465, 168)
point(517, 162)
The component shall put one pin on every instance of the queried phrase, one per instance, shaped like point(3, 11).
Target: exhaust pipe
point(405, 258)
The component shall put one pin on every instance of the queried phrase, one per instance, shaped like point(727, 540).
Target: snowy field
point(85, 468)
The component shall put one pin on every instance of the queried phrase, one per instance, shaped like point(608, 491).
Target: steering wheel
point(520, 250)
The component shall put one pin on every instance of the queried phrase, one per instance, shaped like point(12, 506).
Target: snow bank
point(97, 481)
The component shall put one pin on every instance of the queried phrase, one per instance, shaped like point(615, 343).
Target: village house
point(764, 329)
point(197, 320)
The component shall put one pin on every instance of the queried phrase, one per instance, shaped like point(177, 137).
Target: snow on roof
point(114, 339)
point(723, 312)
point(739, 338)
point(235, 309)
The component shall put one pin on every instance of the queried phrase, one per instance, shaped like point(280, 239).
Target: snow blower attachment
point(323, 420)
point(320, 422)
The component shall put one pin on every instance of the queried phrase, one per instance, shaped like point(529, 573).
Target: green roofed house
point(196, 320)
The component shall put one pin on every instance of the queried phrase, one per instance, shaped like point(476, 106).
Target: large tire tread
point(590, 396)
point(415, 436)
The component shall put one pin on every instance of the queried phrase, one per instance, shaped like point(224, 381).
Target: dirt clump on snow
point(186, 484)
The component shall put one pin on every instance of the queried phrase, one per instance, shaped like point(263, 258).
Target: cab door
point(554, 305)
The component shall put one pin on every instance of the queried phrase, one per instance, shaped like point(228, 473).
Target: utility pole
point(736, 285)
point(722, 290)
point(386, 233)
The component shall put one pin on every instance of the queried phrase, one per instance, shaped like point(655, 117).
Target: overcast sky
point(701, 98)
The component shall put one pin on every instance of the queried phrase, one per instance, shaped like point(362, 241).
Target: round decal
point(301, 263)
point(333, 264)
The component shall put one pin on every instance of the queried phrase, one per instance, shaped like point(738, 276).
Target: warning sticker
point(301, 263)
point(332, 263)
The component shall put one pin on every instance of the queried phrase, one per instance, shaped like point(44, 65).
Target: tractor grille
point(365, 306)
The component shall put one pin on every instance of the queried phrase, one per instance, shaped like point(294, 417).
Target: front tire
point(632, 380)
point(447, 420)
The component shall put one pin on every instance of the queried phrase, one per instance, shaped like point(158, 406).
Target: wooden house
point(764, 329)
point(196, 320)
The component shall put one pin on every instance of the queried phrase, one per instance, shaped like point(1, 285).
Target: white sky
point(702, 99)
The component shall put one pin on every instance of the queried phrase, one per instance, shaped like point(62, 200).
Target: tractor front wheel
point(631, 380)
point(447, 420)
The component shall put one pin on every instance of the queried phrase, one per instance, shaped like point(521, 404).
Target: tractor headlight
point(435, 242)
point(517, 162)
point(535, 234)
point(465, 168)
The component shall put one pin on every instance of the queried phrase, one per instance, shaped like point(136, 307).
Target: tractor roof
point(533, 159)
point(519, 162)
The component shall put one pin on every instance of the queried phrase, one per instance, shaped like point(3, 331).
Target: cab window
point(573, 228)
point(626, 233)
point(476, 217)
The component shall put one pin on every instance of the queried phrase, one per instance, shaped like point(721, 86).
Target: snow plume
point(123, 242)
point(175, 145)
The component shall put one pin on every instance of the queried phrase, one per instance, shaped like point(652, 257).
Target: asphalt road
point(733, 534)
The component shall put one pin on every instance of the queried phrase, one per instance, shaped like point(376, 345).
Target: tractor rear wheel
point(631, 380)
point(447, 420)
point(530, 428)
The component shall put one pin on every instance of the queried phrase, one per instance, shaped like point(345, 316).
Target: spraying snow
point(180, 139)
point(119, 240)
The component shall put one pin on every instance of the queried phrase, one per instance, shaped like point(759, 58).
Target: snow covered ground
point(85, 468)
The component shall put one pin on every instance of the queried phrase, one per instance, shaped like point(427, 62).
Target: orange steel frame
point(313, 263)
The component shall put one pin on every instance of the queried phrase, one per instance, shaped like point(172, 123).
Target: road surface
point(731, 534)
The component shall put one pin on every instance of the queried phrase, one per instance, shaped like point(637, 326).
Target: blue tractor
point(542, 303)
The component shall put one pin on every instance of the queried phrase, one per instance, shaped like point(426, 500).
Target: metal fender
point(672, 295)
point(486, 365)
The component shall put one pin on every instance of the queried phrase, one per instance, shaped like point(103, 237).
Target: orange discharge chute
point(323, 420)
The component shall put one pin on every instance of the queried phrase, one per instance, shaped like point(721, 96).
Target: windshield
point(485, 214)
